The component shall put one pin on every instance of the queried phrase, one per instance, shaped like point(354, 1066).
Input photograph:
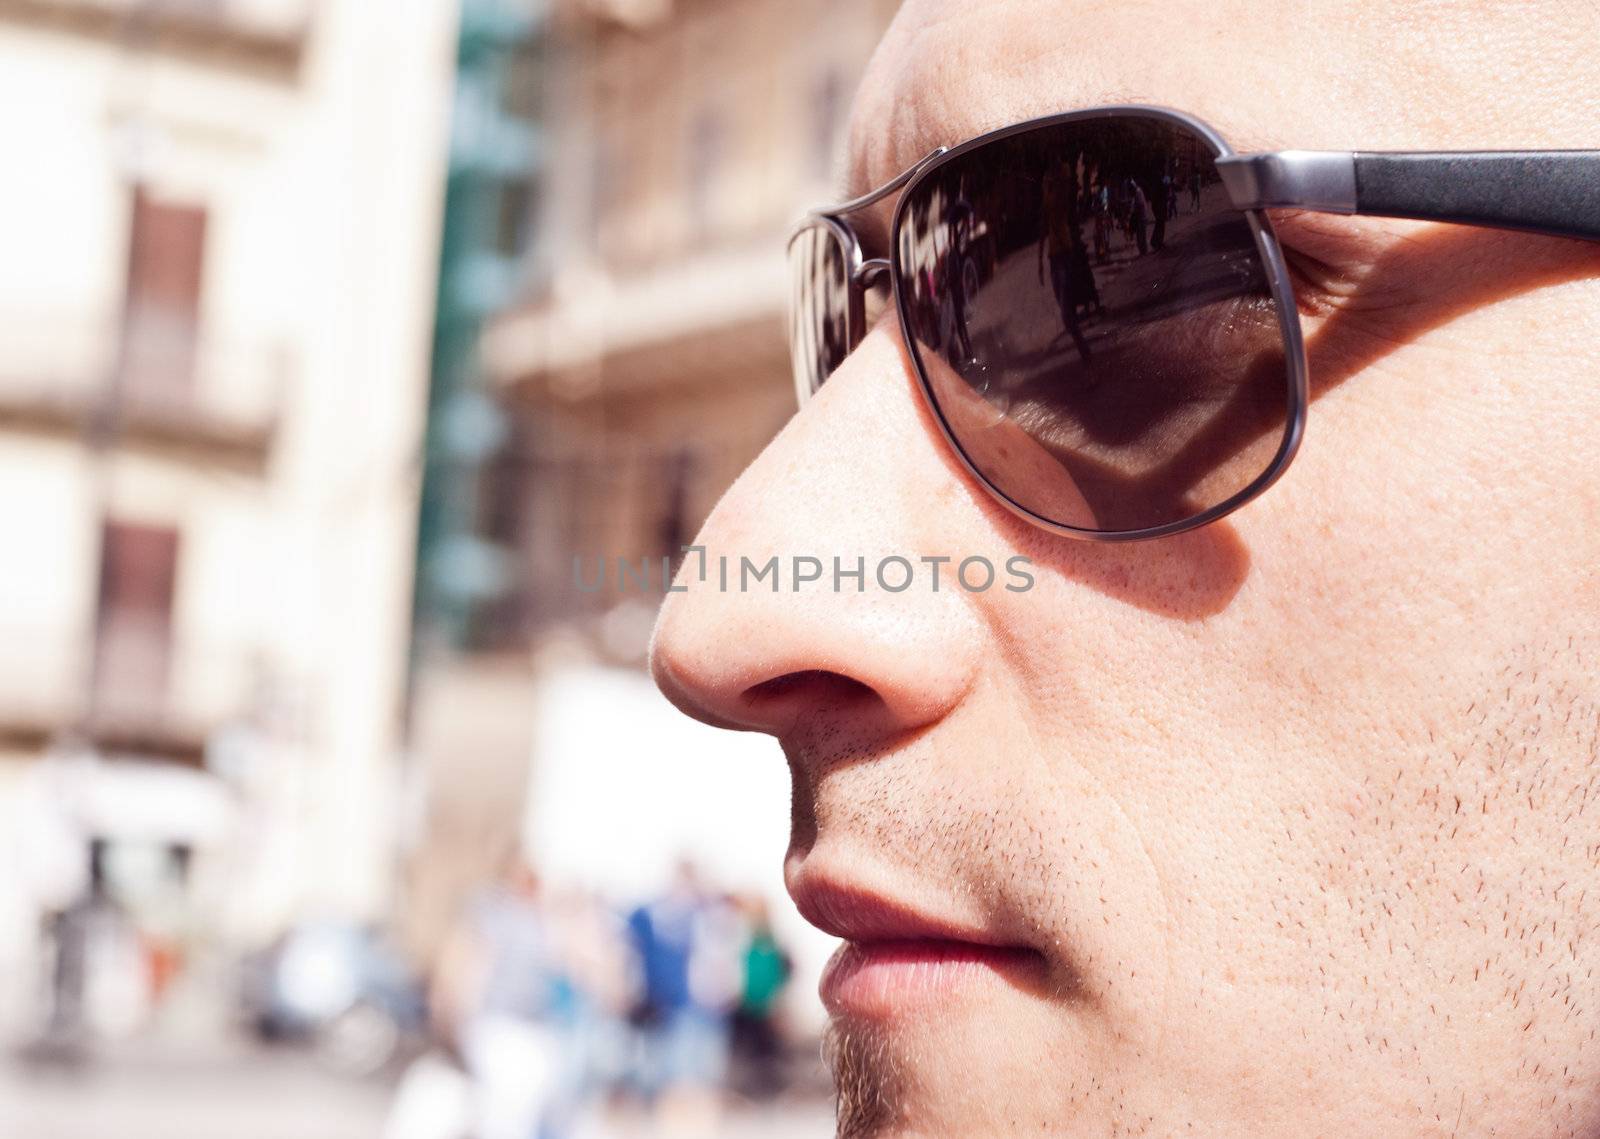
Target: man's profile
point(1284, 824)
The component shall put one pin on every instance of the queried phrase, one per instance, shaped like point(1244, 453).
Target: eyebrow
point(1551, 192)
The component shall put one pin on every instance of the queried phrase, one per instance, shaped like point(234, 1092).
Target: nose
point(857, 481)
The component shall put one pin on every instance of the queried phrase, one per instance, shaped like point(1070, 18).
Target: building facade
point(640, 364)
point(469, 716)
point(220, 243)
point(649, 365)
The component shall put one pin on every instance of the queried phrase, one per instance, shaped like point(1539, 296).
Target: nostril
point(818, 686)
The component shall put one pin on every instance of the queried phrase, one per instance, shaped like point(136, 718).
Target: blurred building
point(638, 362)
point(649, 365)
point(470, 716)
point(220, 243)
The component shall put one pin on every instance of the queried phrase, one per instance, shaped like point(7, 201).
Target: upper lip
point(858, 914)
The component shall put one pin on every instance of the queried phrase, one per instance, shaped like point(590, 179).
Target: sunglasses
point(1099, 314)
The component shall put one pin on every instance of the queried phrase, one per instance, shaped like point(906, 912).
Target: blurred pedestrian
point(593, 993)
point(497, 987)
point(1162, 189)
point(1138, 216)
point(689, 979)
point(767, 968)
point(1101, 205)
point(1061, 250)
point(961, 278)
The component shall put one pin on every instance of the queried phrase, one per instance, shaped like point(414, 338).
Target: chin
point(959, 1071)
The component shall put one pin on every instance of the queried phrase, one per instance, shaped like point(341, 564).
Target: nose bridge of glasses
point(872, 197)
point(868, 273)
point(871, 272)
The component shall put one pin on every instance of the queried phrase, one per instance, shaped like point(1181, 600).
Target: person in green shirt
point(757, 1037)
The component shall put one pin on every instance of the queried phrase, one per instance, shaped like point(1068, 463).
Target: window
point(161, 313)
point(524, 91)
point(516, 217)
point(705, 154)
point(827, 113)
point(605, 189)
point(138, 575)
point(677, 526)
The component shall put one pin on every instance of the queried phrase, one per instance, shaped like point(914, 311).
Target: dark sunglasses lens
point(1095, 322)
point(819, 336)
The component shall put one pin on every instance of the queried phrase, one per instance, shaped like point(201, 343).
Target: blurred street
point(165, 1091)
point(148, 1091)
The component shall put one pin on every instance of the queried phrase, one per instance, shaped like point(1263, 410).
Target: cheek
point(1307, 788)
point(1452, 458)
point(1370, 824)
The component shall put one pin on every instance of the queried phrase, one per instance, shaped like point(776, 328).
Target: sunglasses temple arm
point(1553, 192)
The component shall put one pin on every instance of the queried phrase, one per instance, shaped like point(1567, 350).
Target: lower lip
point(880, 978)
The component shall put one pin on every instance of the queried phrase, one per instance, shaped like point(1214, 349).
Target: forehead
point(1265, 73)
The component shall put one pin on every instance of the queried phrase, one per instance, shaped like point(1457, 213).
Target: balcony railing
point(630, 14)
point(264, 32)
point(135, 691)
point(165, 388)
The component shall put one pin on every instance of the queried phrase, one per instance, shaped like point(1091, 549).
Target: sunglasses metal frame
point(862, 272)
point(1555, 193)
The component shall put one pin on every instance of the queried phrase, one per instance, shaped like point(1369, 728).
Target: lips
point(897, 959)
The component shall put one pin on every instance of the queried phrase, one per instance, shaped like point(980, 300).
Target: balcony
point(266, 34)
point(632, 15)
point(152, 387)
point(137, 694)
point(700, 320)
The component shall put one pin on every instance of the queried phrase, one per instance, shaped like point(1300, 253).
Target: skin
point(1301, 808)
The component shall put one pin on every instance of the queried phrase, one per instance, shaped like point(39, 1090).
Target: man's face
point(1287, 826)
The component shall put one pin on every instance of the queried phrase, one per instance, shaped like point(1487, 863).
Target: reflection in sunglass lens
point(1094, 322)
point(819, 336)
